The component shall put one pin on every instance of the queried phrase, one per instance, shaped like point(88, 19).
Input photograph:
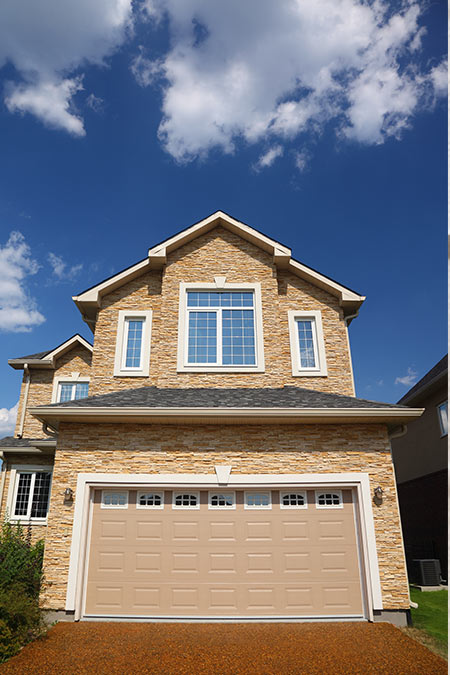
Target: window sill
point(29, 521)
point(127, 373)
point(306, 373)
point(220, 369)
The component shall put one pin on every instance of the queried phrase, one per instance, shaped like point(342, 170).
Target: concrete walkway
point(222, 649)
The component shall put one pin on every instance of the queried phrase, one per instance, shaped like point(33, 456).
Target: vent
point(427, 571)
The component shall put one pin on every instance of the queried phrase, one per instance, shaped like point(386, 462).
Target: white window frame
point(320, 369)
point(177, 493)
point(265, 507)
point(147, 506)
point(14, 485)
point(114, 506)
point(219, 286)
point(293, 506)
point(73, 378)
point(120, 370)
point(441, 426)
point(228, 493)
point(329, 506)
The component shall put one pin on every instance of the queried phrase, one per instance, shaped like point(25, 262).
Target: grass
point(430, 620)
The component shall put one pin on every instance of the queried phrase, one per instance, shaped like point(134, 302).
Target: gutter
point(25, 398)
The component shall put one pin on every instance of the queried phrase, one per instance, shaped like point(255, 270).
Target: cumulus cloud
point(18, 312)
point(261, 70)
point(61, 270)
point(268, 158)
point(47, 42)
point(8, 418)
point(409, 379)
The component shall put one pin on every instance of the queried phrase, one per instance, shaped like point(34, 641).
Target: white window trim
point(114, 506)
point(329, 506)
point(267, 507)
point(219, 285)
point(211, 494)
point(12, 491)
point(146, 506)
point(119, 361)
point(291, 506)
point(73, 378)
point(438, 409)
point(177, 493)
point(320, 370)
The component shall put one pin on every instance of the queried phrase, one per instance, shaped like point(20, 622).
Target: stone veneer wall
point(221, 253)
point(40, 390)
point(121, 448)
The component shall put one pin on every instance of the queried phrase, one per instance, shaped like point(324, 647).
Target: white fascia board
point(345, 294)
point(93, 294)
point(68, 345)
point(18, 364)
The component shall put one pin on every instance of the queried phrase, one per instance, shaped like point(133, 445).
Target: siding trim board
point(86, 481)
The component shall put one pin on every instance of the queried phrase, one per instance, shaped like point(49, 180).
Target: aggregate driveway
point(222, 649)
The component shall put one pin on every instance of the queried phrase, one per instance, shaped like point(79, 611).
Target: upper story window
point(69, 391)
point(443, 417)
point(133, 344)
point(307, 343)
point(220, 328)
point(30, 493)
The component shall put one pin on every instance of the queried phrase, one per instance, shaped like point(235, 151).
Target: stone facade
point(279, 449)
point(221, 253)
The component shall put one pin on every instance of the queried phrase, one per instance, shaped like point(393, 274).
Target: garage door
point(223, 553)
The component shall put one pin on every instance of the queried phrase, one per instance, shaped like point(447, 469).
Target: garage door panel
point(237, 562)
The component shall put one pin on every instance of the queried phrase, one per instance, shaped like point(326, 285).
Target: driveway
point(222, 649)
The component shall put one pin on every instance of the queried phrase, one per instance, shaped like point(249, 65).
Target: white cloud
point(95, 103)
point(47, 42)
point(409, 379)
point(262, 71)
point(301, 160)
point(8, 420)
point(144, 70)
point(60, 268)
point(268, 158)
point(18, 311)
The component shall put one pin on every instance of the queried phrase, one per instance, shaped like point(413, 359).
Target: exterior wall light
point(68, 494)
point(378, 492)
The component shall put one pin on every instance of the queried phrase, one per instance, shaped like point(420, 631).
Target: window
point(307, 343)
point(443, 417)
point(222, 500)
point(112, 499)
point(186, 500)
point(69, 391)
point(293, 500)
point(328, 500)
point(133, 344)
point(220, 328)
point(258, 500)
point(32, 495)
point(150, 500)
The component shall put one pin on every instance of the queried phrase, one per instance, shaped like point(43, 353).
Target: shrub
point(20, 583)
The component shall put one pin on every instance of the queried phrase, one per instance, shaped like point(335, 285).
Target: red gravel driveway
point(222, 649)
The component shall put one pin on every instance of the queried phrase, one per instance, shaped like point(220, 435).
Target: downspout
point(347, 320)
point(25, 399)
point(47, 431)
point(2, 481)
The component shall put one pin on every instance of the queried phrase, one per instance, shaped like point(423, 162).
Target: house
point(221, 466)
point(420, 459)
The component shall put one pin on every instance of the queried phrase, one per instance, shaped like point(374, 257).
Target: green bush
point(20, 583)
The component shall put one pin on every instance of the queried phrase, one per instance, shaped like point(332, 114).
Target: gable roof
point(89, 300)
point(209, 405)
point(436, 377)
point(47, 359)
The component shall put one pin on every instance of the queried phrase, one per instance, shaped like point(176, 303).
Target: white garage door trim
point(86, 481)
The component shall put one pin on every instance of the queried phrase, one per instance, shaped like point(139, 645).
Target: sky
point(322, 123)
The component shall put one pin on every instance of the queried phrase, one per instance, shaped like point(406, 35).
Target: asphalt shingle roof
point(38, 355)
point(12, 442)
point(285, 397)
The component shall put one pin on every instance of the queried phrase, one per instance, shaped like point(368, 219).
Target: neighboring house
point(421, 459)
point(221, 466)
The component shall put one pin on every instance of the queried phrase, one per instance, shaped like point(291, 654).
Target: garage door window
point(222, 500)
point(186, 500)
point(293, 500)
point(150, 500)
point(258, 500)
point(329, 500)
point(114, 500)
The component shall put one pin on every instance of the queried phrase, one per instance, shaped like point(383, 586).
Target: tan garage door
point(223, 553)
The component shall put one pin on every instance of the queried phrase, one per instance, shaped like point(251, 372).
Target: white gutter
point(25, 398)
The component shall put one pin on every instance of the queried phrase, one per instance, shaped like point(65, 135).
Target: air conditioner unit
point(428, 571)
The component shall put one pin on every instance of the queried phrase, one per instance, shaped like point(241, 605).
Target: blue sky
point(321, 124)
